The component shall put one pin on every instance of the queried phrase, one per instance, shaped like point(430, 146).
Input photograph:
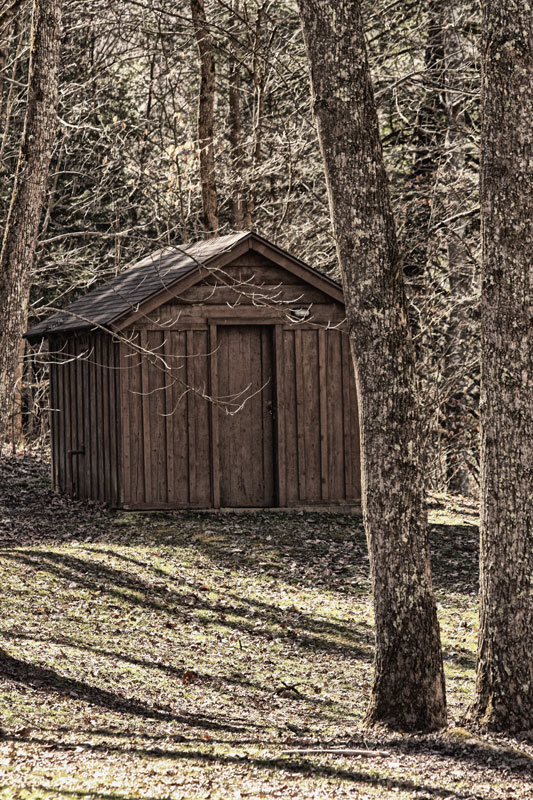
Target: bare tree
point(504, 691)
point(206, 116)
point(235, 130)
point(408, 689)
point(23, 219)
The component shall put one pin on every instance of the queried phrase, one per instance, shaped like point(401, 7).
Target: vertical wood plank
point(290, 417)
point(191, 421)
point(87, 417)
point(120, 412)
point(100, 420)
point(157, 384)
point(200, 492)
point(135, 406)
point(169, 418)
point(214, 417)
point(68, 419)
point(52, 402)
point(76, 422)
point(59, 421)
point(145, 406)
point(180, 419)
point(114, 432)
point(347, 411)
point(105, 424)
point(65, 413)
point(80, 444)
point(267, 405)
point(354, 429)
point(95, 433)
point(93, 415)
point(93, 419)
point(203, 437)
point(323, 404)
point(311, 403)
point(337, 490)
point(278, 398)
point(126, 402)
point(300, 418)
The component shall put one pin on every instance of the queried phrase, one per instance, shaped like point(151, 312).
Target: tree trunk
point(235, 137)
point(408, 691)
point(504, 689)
point(206, 116)
point(22, 224)
point(457, 325)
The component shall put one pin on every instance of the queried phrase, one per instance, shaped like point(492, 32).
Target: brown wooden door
point(246, 437)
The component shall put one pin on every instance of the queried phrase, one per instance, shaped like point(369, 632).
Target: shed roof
point(157, 273)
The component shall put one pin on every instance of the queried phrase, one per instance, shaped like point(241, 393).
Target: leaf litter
point(190, 655)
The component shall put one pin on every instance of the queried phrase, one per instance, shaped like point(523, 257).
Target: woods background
point(126, 168)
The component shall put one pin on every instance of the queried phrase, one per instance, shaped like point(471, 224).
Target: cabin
point(211, 375)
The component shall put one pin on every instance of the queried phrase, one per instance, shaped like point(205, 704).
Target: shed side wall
point(85, 417)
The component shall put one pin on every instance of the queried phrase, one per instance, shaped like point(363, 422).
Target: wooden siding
point(319, 427)
point(293, 443)
point(246, 455)
point(84, 417)
point(150, 413)
point(251, 288)
point(166, 441)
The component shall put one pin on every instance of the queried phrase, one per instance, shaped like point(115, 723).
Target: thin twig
point(339, 752)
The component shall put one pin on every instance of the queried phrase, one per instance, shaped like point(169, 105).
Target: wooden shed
point(214, 375)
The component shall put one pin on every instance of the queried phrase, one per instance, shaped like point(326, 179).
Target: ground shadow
point(96, 576)
point(45, 678)
point(303, 765)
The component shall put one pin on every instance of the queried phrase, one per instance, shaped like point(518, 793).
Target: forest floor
point(179, 655)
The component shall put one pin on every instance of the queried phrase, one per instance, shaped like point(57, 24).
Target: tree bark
point(504, 689)
point(408, 690)
point(206, 116)
point(235, 137)
point(457, 326)
point(22, 224)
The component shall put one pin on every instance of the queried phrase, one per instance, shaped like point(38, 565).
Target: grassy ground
point(178, 656)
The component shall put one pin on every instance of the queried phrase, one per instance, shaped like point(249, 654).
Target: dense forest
point(126, 165)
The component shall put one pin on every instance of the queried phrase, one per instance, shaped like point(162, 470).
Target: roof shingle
point(135, 285)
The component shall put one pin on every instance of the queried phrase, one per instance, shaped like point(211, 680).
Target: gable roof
point(121, 298)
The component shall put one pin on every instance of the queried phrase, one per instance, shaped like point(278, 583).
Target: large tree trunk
point(22, 224)
point(408, 691)
point(504, 691)
point(206, 116)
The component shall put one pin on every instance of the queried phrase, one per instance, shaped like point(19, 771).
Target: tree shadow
point(310, 540)
point(454, 557)
point(96, 576)
point(302, 765)
point(475, 754)
point(255, 603)
point(179, 673)
point(460, 656)
point(46, 678)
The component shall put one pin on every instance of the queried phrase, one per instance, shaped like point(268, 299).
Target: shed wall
point(142, 411)
point(172, 432)
point(85, 417)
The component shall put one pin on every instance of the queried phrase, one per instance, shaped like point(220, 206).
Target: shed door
point(246, 437)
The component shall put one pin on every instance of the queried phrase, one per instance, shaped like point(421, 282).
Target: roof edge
point(250, 240)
